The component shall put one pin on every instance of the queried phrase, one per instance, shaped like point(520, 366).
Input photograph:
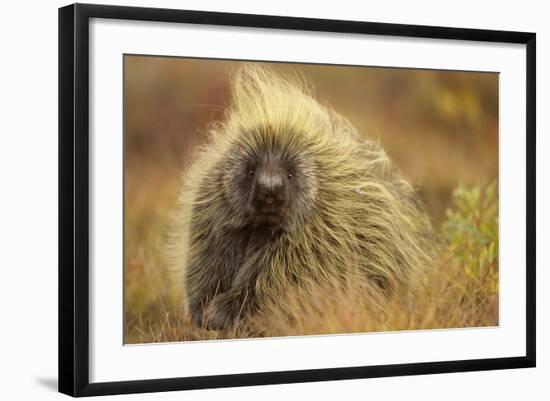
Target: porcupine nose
point(270, 190)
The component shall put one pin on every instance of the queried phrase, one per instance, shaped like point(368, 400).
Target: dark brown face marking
point(270, 192)
point(269, 182)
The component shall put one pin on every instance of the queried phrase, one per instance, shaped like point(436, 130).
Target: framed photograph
point(251, 199)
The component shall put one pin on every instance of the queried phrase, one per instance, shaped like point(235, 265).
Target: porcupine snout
point(270, 193)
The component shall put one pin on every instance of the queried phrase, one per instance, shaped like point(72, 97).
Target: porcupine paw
point(219, 313)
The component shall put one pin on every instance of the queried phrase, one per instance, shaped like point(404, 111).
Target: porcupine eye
point(250, 172)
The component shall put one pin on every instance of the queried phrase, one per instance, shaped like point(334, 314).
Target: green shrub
point(471, 230)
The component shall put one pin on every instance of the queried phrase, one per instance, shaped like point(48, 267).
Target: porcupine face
point(271, 182)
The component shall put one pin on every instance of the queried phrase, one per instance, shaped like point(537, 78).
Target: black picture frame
point(74, 194)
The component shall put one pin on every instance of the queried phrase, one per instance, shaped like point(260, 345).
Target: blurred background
point(440, 128)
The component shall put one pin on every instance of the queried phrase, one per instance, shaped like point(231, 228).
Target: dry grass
point(451, 301)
